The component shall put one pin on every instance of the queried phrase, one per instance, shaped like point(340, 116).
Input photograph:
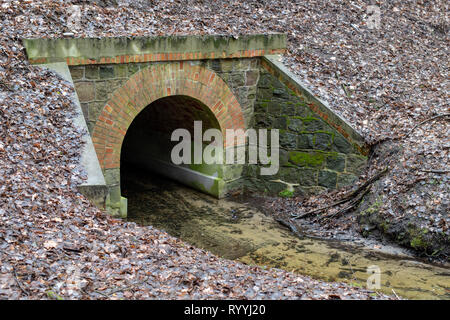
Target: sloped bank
point(322, 153)
point(381, 216)
point(410, 231)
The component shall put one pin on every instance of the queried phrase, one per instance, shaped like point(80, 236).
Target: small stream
point(237, 231)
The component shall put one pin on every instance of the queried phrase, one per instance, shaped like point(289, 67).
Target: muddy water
point(237, 231)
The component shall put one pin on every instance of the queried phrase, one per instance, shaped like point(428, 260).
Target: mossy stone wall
point(312, 153)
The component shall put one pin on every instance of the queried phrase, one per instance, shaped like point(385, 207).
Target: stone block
point(346, 179)
point(115, 84)
point(91, 125)
point(225, 76)
point(288, 140)
point(280, 93)
point(242, 95)
point(254, 63)
point(85, 109)
point(262, 120)
point(114, 196)
point(288, 109)
point(312, 124)
point(327, 179)
point(261, 106)
point(237, 79)
point(85, 91)
point(264, 94)
point(289, 174)
point(265, 80)
point(123, 207)
point(302, 111)
point(322, 141)
point(275, 107)
point(231, 172)
point(120, 71)
point(341, 145)
point(77, 73)
point(112, 176)
point(314, 190)
point(279, 123)
point(296, 125)
point(215, 65)
point(355, 163)
point(106, 72)
point(251, 170)
point(251, 77)
point(307, 177)
point(241, 64)
point(336, 162)
point(226, 65)
point(251, 93)
point(91, 73)
point(102, 89)
point(283, 157)
point(305, 141)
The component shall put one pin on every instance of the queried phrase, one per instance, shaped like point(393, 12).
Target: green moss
point(208, 169)
point(313, 159)
point(53, 295)
point(373, 208)
point(418, 243)
point(332, 133)
point(214, 190)
point(308, 119)
point(418, 240)
point(286, 194)
point(385, 226)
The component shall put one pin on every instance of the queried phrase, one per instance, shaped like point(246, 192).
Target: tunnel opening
point(147, 145)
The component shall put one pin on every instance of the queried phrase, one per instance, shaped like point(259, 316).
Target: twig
point(109, 294)
point(346, 91)
point(18, 282)
point(427, 120)
point(396, 294)
point(289, 225)
point(434, 171)
point(353, 203)
point(347, 197)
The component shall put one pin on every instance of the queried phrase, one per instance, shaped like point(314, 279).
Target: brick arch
point(155, 82)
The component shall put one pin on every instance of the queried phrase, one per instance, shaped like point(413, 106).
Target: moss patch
point(286, 194)
point(307, 159)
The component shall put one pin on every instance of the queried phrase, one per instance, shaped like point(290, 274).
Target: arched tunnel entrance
point(154, 101)
point(147, 145)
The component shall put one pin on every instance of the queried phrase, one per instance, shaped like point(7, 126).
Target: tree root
point(352, 205)
point(353, 195)
point(425, 121)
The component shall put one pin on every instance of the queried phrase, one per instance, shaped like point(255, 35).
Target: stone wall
point(313, 154)
point(96, 83)
point(241, 76)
